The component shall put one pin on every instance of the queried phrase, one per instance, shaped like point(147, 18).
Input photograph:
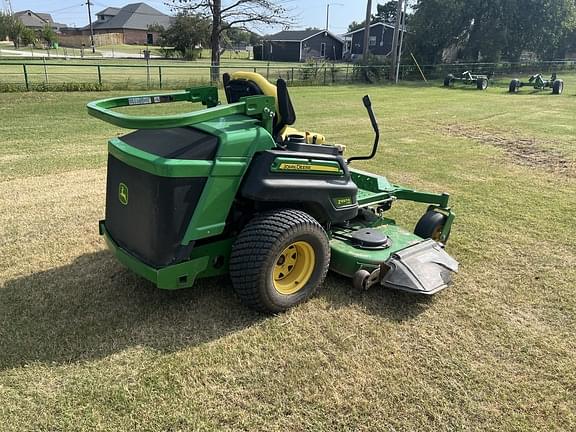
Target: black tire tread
point(428, 222)
point(252, 249)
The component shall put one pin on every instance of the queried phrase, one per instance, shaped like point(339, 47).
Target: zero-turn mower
point(538, 82)
point(468, 78)
point(234, 189)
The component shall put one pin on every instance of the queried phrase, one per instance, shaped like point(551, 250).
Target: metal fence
point(52, 75)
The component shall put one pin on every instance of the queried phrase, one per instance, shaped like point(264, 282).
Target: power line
point(66, 8)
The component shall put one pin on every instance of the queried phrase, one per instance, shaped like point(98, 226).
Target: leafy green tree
point(186, 32)
point(386, 12)
point(491, 30)
point(13, 28)
point(355, 25)
point(49, 35)
point(27, 36)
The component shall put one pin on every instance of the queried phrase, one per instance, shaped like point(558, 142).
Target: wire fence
point(52, 75)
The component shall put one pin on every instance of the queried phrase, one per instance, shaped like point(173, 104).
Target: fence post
point(325, 74)
point(26, 77)
point(268, 71)
point(347, 67)
point(45, 70)
point(160, 75)
point(99, 75)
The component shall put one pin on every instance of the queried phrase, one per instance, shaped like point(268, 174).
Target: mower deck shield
point(423, 268)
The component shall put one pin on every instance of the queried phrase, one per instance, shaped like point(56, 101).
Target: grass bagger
point(468, 78)
point(538, 82)
point(234, 189)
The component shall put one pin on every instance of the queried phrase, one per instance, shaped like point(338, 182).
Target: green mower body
point(217, 191)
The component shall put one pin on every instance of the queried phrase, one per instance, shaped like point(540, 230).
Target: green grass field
point(85, 345)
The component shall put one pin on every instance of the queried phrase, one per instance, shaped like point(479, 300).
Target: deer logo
point(123, 193)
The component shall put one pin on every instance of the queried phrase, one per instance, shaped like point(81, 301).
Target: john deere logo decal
point(123, 193)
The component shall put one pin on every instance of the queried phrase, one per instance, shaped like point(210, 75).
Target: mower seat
point(242, 84)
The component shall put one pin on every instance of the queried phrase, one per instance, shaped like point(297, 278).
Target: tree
point(186, 32)
point(49, 35)
point(386, 12)
point(355, 25)
point(27, 36)
point(239, 13)
point(13, 28)
point(492, 30)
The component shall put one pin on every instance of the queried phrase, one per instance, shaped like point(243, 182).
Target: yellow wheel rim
point(294, 267)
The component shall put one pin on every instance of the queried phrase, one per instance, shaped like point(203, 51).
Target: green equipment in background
point(233, 189)
point(538, 82)
point(468, 78)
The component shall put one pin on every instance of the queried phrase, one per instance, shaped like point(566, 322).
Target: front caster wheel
point(360, 280)
point(430, 225)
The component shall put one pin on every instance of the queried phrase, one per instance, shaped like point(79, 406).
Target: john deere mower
point(538, 82)
point(468, 78)
point(234, 189)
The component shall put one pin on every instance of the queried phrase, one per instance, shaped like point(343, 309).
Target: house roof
point(135, 16)
point(109, 11)
point(34, 19)
point(298, 35)
point(371, 26)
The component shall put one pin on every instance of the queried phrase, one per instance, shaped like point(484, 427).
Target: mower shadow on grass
point(388, 304)
point(94, 307)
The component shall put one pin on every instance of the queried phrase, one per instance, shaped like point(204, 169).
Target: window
point(323, 49)
point(372, 41)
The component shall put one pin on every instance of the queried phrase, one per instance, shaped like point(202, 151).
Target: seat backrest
point(242, 84)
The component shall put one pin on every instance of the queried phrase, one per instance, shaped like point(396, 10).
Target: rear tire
point(279, 260)
point(481, 83)
point(557, 87)
point(514, 86)
point(430, 225)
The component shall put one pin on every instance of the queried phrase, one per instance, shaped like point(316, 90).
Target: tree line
point(486, 30)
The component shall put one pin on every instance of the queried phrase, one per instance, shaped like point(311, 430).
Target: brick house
point(132, 22)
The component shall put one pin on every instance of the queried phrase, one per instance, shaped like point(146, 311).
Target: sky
point(309, 13)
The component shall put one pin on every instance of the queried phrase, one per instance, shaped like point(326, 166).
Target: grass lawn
point(86, 345)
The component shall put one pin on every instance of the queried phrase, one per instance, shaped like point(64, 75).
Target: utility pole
point(8, 7)
point(91, 27)
point(328, 12)
point(403, 30)
point(395, 40)
point(367, 31)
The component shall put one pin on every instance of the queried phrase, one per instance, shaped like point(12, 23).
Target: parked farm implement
point(538, 82)
point(468, 78)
